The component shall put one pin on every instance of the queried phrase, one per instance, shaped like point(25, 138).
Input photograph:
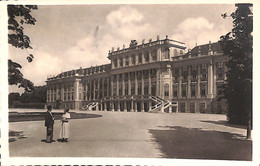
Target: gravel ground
point(137, 135)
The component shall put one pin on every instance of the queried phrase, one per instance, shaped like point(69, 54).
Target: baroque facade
point(157, 76)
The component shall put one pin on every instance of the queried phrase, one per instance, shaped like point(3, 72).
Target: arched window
point(166, 90)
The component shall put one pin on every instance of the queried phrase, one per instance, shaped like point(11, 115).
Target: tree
point(18, 15)
point(13, 97)
point(237, 45)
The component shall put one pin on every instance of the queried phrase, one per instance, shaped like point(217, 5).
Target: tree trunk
point(249, 121)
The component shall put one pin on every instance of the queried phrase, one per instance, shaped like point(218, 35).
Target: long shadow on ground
point(224, 123)
point(186, 143)
point(39, 116)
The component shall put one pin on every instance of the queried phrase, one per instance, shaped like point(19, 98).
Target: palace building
point(154, 76)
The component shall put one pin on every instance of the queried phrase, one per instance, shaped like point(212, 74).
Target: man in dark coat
point(49, 122)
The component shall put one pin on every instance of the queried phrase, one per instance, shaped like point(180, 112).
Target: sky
point(67, 37)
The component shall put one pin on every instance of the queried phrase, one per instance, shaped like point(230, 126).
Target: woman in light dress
point(64, 132)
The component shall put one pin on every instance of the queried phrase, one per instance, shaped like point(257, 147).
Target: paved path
point(115, 134)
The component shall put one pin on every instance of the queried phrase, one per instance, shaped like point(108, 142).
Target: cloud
point(121, 25)
point(199, 30)
point(41, 67)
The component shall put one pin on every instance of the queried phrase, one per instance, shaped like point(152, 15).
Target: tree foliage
point(18, 16)
point(237, 45)
point(37, 96)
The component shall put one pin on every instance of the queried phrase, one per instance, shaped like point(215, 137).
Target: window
point(133, 59)
point(126, 61)
point(132, 76)
point(139, 75)
point(193, 91)
point(194, 78)
point(220, 76)
point(146, 89)
point(167, 53)
point(139, 89)
point(121, 62)
point(181, 52)
point(204, 67)
point(146, 56)
point(220, 65)
point(120, 90)
point(114, 91)
point(153, 89)
point(166, 90)
point(120, 77)
point(175, 91)
point(126, 89)
point(203, 77)
point(184, 91)
point(133, 89)
point(202, 108)
point(202, 90)
point(154, 55)
point(182, 107)
point(79, 96)
point(192, 107)
point(175, 52)
point(140, 58)
point(146, 74)
point(153, 73)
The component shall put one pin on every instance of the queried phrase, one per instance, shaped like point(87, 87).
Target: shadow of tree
point(186, 143)
point(39, 116)
point(224, 123)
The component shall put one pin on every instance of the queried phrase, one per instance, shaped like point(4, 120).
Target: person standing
point(49, 122)
point(64, 132)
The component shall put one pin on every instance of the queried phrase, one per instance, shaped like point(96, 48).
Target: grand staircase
point(161, 105)
point(90, 106)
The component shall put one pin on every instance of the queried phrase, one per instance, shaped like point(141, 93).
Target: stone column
point(62, 92)
point(129, 84)
point(189, 83)
point(136, 84)
point(158, 82)
point(112, 106)
point(118, 106)
point(94, 89)
point(108, 87)
point(125, 106)
point(123, 84)
point(76, 93)
point(117, 84)
point(103, 88)
point(98, 86)
point(86, 91)
point(57, 92)
point(214, 81)
point(162, 107)
point(76, 89)
point(149, 83)
point(180, 82)
point(170, 109)
point(105, 106)
point(198, 83)
point(132, 105)
point(142, 79)
point(210, 80)
point(142, 106)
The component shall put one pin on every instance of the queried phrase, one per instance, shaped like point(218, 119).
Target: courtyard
point(136, 135)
